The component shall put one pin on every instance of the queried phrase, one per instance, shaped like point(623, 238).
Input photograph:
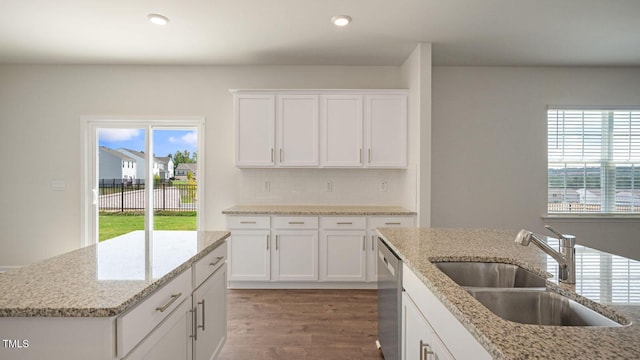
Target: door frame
point(89, 125)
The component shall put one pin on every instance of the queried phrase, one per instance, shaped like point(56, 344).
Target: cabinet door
point(343, 255)
point(295, 255)
point(341, 130)
point(254, 120)
point(372, 256)
point(297, 130)
point(249, 258)
point(419, 341)
point(386, 131)
point(170, 340)
point(210, 309)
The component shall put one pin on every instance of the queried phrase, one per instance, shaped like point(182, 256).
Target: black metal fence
point(116, 195)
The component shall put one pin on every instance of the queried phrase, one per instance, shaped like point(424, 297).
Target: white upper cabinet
point(386, 130)
point(297, 130)
point(321, 128)
point(254, 119)
point(341, 130)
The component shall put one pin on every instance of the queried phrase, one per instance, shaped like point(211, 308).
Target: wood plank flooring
point(301, 325)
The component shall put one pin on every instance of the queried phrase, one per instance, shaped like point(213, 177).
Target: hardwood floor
point(301, 325)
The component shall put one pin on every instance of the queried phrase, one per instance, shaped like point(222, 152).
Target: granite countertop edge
point(117, 310)
point(327, 210)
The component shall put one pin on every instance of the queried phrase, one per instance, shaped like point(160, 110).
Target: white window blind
point(593, 160)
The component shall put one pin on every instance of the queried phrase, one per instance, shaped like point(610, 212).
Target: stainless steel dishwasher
point(389, 302)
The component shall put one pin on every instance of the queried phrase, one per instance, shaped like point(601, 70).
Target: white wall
point(415, 75)
point(40, 110)
point(489, 147)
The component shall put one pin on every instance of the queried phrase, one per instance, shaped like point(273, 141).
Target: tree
point(183, 157)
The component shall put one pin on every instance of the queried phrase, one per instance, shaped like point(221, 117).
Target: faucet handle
point(565, 240)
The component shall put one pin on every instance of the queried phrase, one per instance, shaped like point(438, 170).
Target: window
point(593, 161)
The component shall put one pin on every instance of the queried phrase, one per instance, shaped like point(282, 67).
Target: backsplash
point(310, 186)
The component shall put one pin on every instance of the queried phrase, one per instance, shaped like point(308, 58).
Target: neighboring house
point(183, 169)
point(165, 165)
point(141, 160)
point(628, 197)
point(591, 196)
point(116, 165)
point(557, 196)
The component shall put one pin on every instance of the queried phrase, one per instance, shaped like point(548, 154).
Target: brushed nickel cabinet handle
point(271, 154)
point(392, 223)
point(194, 321)
point(280, 154)
point(373, 242)
point(369, 154)
point(218, 259)
point(364, 240)
point(247, 222)
point(345, 223)
point(296, 222)
point(267, 242)
point(173, 299)
point(360, 155)
point(276, 242)
point(201, 326)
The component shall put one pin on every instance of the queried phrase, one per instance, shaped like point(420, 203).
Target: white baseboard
point(7, 268)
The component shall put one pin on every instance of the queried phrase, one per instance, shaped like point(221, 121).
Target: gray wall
point(489, 147)
point(40, 134)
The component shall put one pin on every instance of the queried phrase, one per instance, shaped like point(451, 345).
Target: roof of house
point(140, 154)
point(164, 159)
point(116, 153)
point(188, 166)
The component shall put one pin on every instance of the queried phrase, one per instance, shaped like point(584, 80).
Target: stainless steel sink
point(495, 275)
point(538, 307)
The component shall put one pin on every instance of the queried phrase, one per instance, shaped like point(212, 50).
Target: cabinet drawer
point(248, 222)
point(208, 264)
point(295, 222)
point(343, 222)
point(136, 323)
point(390, 221)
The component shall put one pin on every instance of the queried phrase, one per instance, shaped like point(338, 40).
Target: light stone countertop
point(319, 210)
point(617, 298)
point(105, 279)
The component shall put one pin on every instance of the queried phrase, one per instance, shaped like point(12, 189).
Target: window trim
point(88, 155)
point(593, 215)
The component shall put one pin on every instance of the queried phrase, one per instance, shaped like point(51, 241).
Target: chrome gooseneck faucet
point(565, 258)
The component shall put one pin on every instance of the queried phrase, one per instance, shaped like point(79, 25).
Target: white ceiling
point(291, 32)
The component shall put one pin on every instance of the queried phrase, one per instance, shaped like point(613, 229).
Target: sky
point(165, 141)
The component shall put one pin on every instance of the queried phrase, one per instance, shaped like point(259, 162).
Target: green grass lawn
point(112, 225)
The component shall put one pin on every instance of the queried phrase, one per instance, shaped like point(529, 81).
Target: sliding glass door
point(141, 175)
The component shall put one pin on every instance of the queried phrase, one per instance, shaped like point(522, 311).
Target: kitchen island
point(606, 283)
point(102, 300)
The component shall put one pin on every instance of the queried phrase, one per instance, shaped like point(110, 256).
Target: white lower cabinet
point(196, 329)
point(419, 340)
point(429, 330)
point(295, 255)
point(250, 255)
point(170, 341)
point(296, 251)
point(343, 255)
point(210, 316)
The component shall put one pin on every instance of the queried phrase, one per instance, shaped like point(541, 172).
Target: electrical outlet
point(329, 186)
point(267, 186)
point(384, 186)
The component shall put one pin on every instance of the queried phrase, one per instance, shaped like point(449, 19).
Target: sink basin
point(495, 275)
point(539, 307)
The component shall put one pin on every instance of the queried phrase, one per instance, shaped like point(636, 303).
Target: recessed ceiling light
point(158, 19)
point(341, 20)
